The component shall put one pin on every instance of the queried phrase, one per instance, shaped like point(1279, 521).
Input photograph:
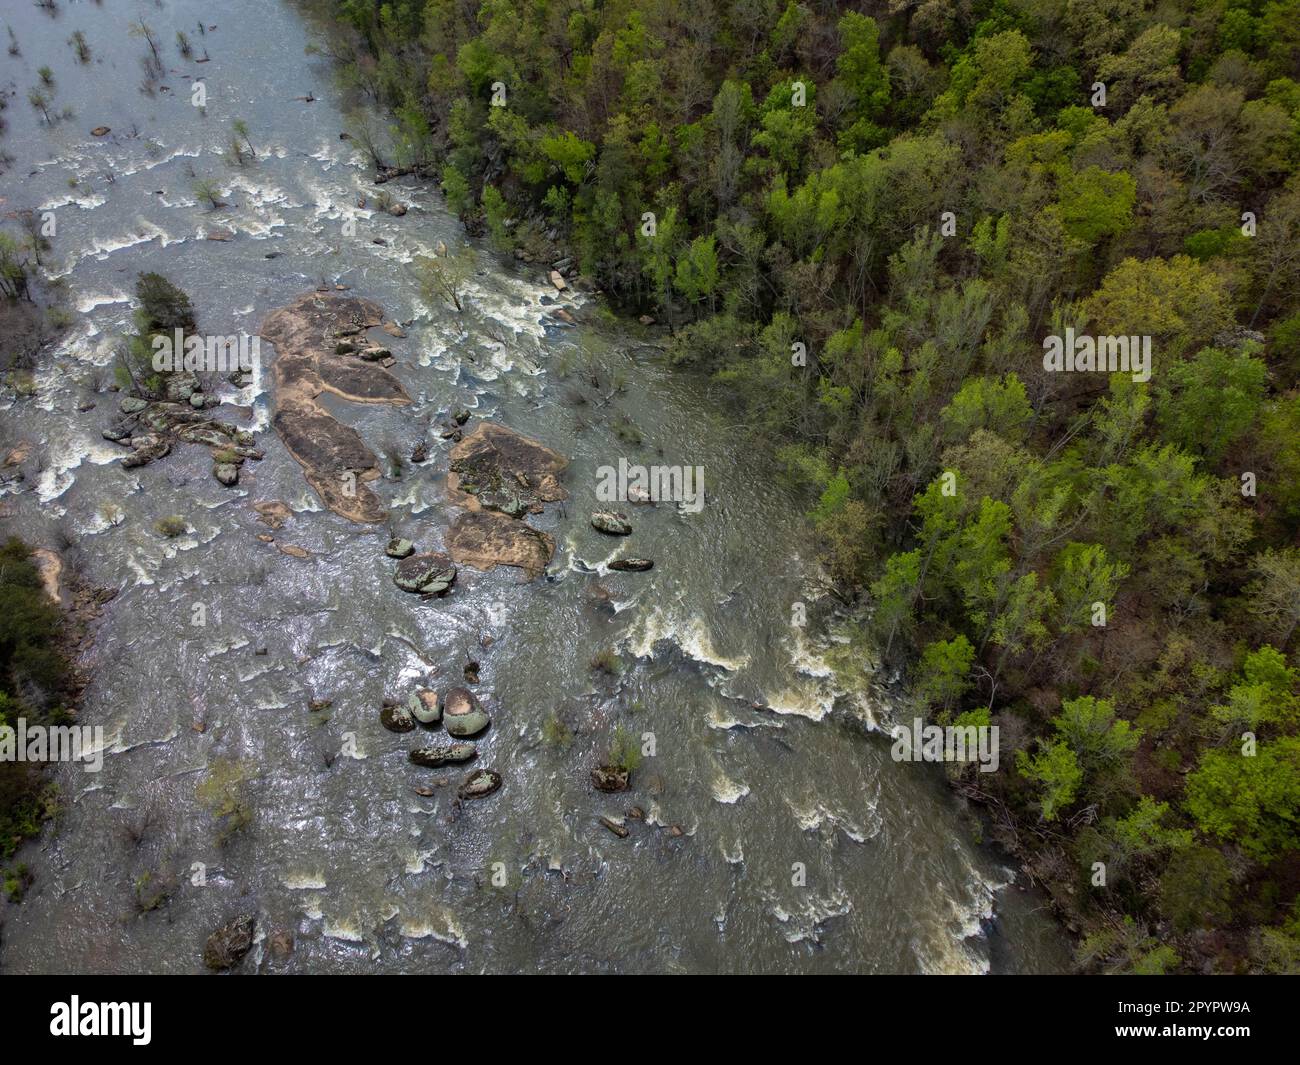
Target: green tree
point(1251, 801)
point(943, 672)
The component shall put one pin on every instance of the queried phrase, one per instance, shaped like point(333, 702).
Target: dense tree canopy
point(919, 194)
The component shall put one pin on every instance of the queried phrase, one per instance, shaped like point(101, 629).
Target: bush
point(607, 662)
point(171, 526)
point(624, 750)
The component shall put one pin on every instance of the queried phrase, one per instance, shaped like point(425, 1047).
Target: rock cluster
point(151, 427)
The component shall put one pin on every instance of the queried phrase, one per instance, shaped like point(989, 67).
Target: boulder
point(424, 707)
point(426, 574)
point(396, 718)
point(478, 784)
point(611, 523)
point(632, 565)
point(198, 400)
point(399, 548)
point(227, 473)
point(146, 448)
point(462, 715)
point(133, 404)
point(440, 754)
point(227, 946)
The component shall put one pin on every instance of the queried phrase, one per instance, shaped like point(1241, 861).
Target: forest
point(863, 222)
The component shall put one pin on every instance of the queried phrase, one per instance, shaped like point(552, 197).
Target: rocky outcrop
point(495, 465)
point(498, 476)
point(307, 335)
point(485, 539)
point(273, 512)
point(151, 427)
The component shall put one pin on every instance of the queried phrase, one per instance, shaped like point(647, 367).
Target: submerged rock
point(479, 783)
point(440, 754)
point(611, 522)
point(462, 715)
point(227, 946)
point(396, 718)
point(424, 706)
point(619, 830)
point(273, 512)
point(426, 574)
point(609, 778)
point(632, 565)
point(398, 548)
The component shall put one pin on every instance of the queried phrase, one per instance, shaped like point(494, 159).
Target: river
point(778, 835)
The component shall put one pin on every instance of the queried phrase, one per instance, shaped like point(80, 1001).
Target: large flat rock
point(486, 539)
point(336, 461)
